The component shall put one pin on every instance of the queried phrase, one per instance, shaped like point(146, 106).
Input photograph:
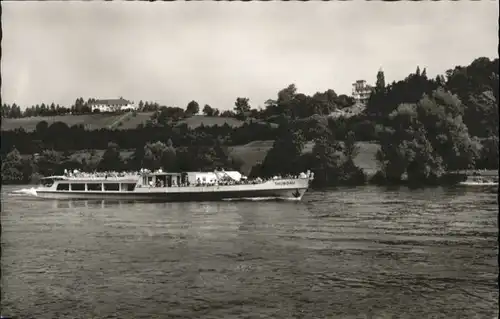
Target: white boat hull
point(293, 189)
point(478, 184)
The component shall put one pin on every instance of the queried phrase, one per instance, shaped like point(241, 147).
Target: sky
point(214, 52)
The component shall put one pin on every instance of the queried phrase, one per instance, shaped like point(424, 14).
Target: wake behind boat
point(170, 187)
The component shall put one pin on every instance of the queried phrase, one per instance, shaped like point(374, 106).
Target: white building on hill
point(361, 91)
point(112, 105)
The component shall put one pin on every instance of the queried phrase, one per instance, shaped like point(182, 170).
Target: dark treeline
point(260, 124)
point(60, 137)
point(289, 102)
point(426, 127)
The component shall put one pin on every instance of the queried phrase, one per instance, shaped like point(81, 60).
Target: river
point(362, 252)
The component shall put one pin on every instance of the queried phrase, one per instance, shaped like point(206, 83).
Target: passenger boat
point(169, 187)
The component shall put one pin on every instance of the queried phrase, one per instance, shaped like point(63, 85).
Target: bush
point(352, 175)
point(378, 178)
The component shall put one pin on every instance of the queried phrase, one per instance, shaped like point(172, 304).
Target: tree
point(477, 86)
point(90, 161)
point(424, 73)
point(287, 94)
point(285, 98)
point(206, 157)
point(79, 106)
point(241, 107)
point(495, 85)
point(165, 116)
point(15, 111)
point(285, 154)
point(313, 127)
point(440, 80)
point(351, 149)
point(222, 157)
point(169, 157)
point(48, 163)
point(70, 162)
point(441, 115)
point(5, 110)
point(12, 168)
point(380, 85)
point(489, 153)
point(326, 160)
point(158, 155)
point(111, 159)
point(344, 101)
point(403, 145)
point(271, 108)
point(41, 128)
point(153, 153)
point(192, 108)
point(351, 173)
point(134, 162)
point(208, 110)
point(425, 139)
point(227, 113)
point(408, 91)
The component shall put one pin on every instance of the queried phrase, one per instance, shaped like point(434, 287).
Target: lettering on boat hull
point(284, 183)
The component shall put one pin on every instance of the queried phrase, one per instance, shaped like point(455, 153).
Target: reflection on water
point(345, 253)
point(91, 203)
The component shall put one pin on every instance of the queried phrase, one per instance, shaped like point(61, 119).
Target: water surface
point(349, 253)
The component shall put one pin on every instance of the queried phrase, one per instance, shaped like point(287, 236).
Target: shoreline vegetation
point(418, 131)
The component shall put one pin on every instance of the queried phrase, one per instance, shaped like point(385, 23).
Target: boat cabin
point(85, 184)
point(128, 183)
point(164, 179)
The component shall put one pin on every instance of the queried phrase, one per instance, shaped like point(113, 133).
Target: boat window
point(63, 187)
point(94, 187)
point(161, 180)
point(112, 187)
point(78, 187)
point(185, 178)
point(47, 182)
point(128, 187)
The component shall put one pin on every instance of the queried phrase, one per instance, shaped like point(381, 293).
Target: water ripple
point(363, 252)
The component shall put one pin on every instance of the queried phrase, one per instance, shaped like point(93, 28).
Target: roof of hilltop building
point(120, 101)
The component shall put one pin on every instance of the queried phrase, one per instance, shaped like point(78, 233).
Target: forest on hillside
point(426, 128)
